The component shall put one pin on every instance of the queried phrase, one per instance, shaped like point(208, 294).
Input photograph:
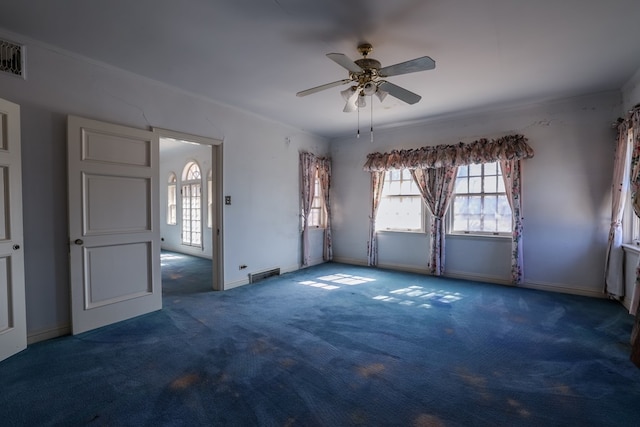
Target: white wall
point(175, 162)
point(631, 92)
point(260, 157)
point(566, 194)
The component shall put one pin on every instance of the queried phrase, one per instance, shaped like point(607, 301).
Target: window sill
point(631, 247)
point(417, 232)
point(478, 236)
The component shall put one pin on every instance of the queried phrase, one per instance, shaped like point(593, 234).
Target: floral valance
point(509, 147)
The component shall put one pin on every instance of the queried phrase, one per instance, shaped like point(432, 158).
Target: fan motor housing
point(368, 64)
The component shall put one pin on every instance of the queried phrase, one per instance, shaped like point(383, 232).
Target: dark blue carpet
point(336, 345)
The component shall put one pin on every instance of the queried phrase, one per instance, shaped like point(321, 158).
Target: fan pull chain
point(371, 102)
point(358, 135)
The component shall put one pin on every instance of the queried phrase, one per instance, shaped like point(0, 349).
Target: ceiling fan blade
point(344, 61)
point(322, 87)
point(400, 93)
point(419, 64)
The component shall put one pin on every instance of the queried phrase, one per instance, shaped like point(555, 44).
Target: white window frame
point(399, 184)
point(317, 215)
point(483, 192)
point(631, 231)
point(191, 195)
point(172, 199)
point(210, 199)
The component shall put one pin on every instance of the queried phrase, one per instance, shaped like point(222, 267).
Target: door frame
point(217, 230)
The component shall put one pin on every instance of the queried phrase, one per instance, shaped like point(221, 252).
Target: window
point(629, 212)
point(316, 217)
point(401, 207)
point(209, 200)
point(480, 204)
point(192, 206)
point(171, 200)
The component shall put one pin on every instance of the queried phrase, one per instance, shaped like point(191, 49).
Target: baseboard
point(349, 261)
point(562, 289)
point(541, 286)
point(405, 268)
point(48, 334)
point(477, 278)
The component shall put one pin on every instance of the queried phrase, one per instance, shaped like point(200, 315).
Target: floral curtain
point(614, 277)
point(307, 189)
point(436, 187)
point(509, 147)
point(377, 182)
point(512, 176)
point(634, 124)
point(324, 175)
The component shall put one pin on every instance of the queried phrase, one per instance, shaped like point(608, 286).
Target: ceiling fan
point(368, 78)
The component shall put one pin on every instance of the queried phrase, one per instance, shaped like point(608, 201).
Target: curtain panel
point(512, 177)
point(307, 190)
point(377, 182)
point(633, 121)
point(511, 147)
point(436, 186)
point(309, 166)
point(324, 175)
point(614, 278)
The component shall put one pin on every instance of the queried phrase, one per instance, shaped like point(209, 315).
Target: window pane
point(475, 170)
point(400, 213)
point(475, 184)
point(480, 203)
point(463, 171)
point(491, 184)
point(462, 185)
point(490, 168)
point(490, 205)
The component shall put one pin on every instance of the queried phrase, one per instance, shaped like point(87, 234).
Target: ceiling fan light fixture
point(360, 103)
point(381, 94)
point(348, 93)
point(369, 88)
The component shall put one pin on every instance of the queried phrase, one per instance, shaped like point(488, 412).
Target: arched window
point(192, 205)
point(172, 218)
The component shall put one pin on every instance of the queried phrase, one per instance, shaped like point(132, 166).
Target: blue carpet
point(336, 345)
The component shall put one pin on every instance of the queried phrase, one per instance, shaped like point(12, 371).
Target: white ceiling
point(256, 54)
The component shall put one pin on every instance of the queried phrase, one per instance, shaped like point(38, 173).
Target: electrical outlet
point(227, 200)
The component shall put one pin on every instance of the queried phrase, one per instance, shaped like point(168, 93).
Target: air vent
point(11, 58)
point(255, 277)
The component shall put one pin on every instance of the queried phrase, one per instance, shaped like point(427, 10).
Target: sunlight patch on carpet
point(419, 297)
point(318, 285)
point(331, 281)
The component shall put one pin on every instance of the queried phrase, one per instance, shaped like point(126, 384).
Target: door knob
point(78, 241)
point(16, 247)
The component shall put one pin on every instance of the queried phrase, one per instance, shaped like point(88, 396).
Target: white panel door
point(13, 322)
point(113, 223)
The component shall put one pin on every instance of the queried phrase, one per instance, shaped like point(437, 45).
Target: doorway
point(190, 208)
